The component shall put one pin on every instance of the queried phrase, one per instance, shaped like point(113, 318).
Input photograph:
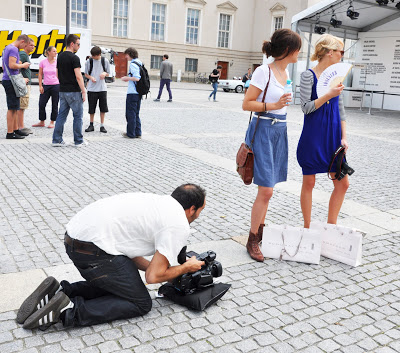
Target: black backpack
point(103, 63)
point(143, 85)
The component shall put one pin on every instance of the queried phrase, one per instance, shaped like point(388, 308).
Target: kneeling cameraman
point(106, 242)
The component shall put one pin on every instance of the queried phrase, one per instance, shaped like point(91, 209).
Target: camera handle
point(338, 152)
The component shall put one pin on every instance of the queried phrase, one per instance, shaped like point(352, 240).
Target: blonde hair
point(48, 49)
point(324, 44)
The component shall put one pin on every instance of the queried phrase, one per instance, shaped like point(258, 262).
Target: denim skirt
point(270, 148)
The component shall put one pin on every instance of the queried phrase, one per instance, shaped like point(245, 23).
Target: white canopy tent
point(372, 30)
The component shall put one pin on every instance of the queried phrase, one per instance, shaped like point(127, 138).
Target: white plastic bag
point(292, 244)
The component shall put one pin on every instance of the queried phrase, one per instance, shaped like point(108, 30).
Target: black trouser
point(113, 289)
point(52, 91)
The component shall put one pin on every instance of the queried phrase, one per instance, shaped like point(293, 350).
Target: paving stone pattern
point(273, 306)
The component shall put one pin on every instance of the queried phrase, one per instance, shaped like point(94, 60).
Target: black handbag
point(199, 300)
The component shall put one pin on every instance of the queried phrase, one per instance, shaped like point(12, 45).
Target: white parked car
point(232, 85)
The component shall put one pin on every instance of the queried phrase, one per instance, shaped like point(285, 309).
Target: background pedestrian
point(214, 77)
point(49, 86)
point(97, 68)
point(24, 101)
point(166, 70)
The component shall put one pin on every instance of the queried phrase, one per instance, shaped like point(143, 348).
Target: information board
point(380, 53)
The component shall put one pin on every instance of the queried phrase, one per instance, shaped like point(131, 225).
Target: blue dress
point(270, 149)
point(321, 136)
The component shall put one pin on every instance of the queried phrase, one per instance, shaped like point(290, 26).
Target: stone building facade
point(196, 34)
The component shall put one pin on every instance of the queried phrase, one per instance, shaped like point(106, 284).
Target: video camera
point(190, 282)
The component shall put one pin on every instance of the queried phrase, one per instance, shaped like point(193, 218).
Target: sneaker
point(103, 129)
point(21, 133)
point(59, 144)
point(26, 130)
point(83, 144)
point(49, 314)
point(169, 100)
point(126, 136)
point(215, 100)
point(38, 299)
point(209, 98)
point(14, 136)
point(156, 100)
point(90, 128)
point(138, 137)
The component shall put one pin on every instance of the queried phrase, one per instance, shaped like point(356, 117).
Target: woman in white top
point(267, 133)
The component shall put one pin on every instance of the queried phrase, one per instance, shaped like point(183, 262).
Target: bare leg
point(15, 120)
point(92, 118)
point(20, 114)
point(102, 116)
point(337, 198)
point(260, 207)
point(306, 198)
point(11, 119)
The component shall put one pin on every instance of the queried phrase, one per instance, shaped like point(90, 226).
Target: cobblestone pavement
point(273, 306)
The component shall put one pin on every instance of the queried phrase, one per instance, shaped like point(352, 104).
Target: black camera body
point(190, 282)
point(342, 168)
point(345, 169)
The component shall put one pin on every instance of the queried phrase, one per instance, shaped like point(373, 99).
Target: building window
point(155, 61)
point(192, 29)
point(224, 28)
point(278, 23)
point(158, 22)
point(34, 11)
point(191, 65)
point(120, 22)
point(79, 13)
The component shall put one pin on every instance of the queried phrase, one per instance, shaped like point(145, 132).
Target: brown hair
point(132, 52)
point(283, 43)
point(23, 37)
point(95, 51)
point(72, 38)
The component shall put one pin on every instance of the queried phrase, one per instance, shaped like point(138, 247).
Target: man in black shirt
point(72, 93)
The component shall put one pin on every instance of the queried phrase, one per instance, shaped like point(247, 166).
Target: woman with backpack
point(214, 77)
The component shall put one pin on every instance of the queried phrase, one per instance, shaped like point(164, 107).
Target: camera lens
point(216, 269)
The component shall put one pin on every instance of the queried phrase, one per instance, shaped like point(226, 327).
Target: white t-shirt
point(133, 224)
point(275, 89)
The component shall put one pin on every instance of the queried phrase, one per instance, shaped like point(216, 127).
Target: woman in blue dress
point(324, 129)
point(270, 145)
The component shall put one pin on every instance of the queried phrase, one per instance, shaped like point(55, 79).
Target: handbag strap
point(258, 116)
point(284, 248)
point(339, 154)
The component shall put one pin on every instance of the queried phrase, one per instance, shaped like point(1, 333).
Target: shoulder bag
point(245, 155)
point(18, 82)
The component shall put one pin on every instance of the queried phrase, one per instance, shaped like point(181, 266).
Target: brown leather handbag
point(245, 155)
